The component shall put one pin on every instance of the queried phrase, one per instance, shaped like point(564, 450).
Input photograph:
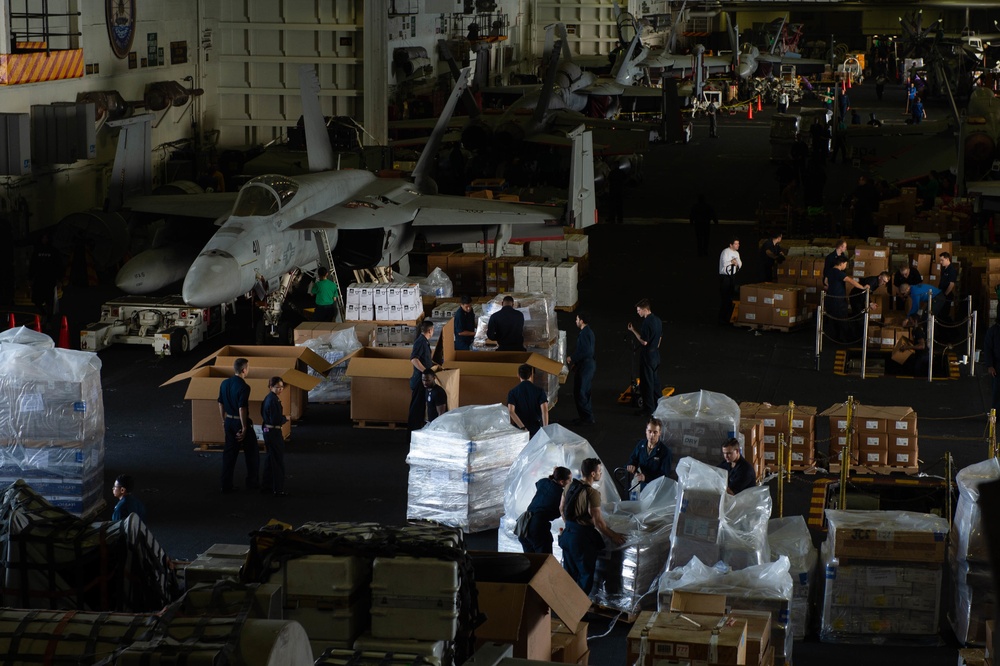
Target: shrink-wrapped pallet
point(743, 532)
point(699, 513)
point(335, 386)
point(626, 573)
point(766, 587)
point(22, 335)
point(883, 577)
point(459, 464)
point(789, 537)
point(540, 326)
point(52, 423)
point(698, 424)
point(552, 446)
point(974, 600)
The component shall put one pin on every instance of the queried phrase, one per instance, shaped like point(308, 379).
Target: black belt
point(230, 416)
point(267, 425)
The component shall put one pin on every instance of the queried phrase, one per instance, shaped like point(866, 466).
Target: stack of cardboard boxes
point(559, 279)
point(797, 424)
point(883, 576)
point(752, 432)
point(466, 270)
point(698, 629)
point(774, 305)
point(882, 436)
point(392, 302)
point(973, 593)
point(804, 271)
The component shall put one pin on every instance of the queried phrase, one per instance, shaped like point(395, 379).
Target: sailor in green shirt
point(325, 291)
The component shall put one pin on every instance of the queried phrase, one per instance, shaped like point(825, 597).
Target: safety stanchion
point(781, 475)
point(819, 328)
point(845, 455)
point(11, 322)
point(864, 335)
point(64, 334)
point(791, 438)
point(991, 436)
point(930, 342)
point(970, 343)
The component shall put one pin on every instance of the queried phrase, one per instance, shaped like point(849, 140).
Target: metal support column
point(930, 344)
point(864, 335)
point(845, 455)
point(991, 438)
point(971, 355)
point(819, 328)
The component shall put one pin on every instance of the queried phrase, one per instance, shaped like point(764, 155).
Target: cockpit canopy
point(265, 195)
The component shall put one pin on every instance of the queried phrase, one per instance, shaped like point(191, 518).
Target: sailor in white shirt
point(729, 266)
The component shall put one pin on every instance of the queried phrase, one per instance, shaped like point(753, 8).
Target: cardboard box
point(309, 330)
point(568, 647)
point(380, 384)
point(520, 613)
point(899, 352)
point(758, 634)
point(687, 638)
point(888, 544)
point(203, 392)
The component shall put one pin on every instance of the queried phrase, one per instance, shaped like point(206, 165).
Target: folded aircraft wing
point(212, 205)
point(436, 210)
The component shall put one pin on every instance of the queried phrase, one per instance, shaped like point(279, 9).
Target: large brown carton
point(203, 392)
point(521, 613)
point(708, 639)
point(758, 634)
point(380, 384)
point(889, 544)
point(307, 330)
point(568, 647)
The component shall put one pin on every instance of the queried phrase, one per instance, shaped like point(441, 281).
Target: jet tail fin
point(582, 208)
point(422, 172)
point(317, 140)
point(132, 173)
point(471, 106)
point(548, 82)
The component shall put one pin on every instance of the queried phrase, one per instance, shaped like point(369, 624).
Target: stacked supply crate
point(699, 514)
point(558, 279)
point(752, 433)
point(798, 425)
point(973, 598)
point(465, 269)
point(395, 301)
point(883, 577)
point(698, 424)
point(52, 424)
point(414, 598)
point(881, 436)
point(774, 305)
point(329, 596)
point(804, 271)
point(790, 537)
point(458, 466)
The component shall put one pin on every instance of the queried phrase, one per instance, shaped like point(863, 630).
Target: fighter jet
point(281, 223)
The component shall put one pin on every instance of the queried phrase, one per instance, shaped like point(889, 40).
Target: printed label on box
point(902, 425)
point(903, 458)
point(872, 457)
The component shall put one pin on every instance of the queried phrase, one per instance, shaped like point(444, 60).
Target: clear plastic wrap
point(459, 464)
point(743, 532)
point(698, 424)
point(552, 446)
point(790, 537)
point(335, 386)
point(892, 535)
point(52, 424)
point(22, 335)
point(974, 599)
point(699, 512)
point(540, 326)
point(626, 574)
point(765, 587)
point(437, 283)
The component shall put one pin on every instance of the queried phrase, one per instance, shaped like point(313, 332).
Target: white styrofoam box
point(577, 245)
point(513, 250)
point(324, 575)
point(382, 313)
point(382, 335)
point(431, 651)
point(470, 247)
point(548, 272)
point(353, 312)
point(414, 598)
point(366, 312)
point(353, 295)
point(535, 248)
point(555, 249)
point(367, 291)
point(521, 276)
point(392, 295)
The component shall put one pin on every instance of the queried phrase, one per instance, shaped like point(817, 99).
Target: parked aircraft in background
point(280, 224)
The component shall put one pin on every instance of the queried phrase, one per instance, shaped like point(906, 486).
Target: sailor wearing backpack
point(581, 540)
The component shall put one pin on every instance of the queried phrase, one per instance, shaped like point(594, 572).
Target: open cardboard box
point(521, 613)
point(203, 392)
point(363, 330)
point(380, 377)
point(277, 358)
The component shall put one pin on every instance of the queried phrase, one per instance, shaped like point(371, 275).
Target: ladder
point(326, 259)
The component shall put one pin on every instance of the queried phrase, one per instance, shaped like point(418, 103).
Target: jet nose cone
point(213, 279)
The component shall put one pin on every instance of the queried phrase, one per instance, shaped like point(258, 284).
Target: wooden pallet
point(216, 447)
point(771, 327)
point(382, 425)
point(614, 613)
point(567, 308)
point(869, 470)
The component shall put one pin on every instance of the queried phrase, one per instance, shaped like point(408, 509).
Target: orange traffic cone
point(64, 334)
point(10, 321)
point(750, 110)
point(759, 107)
point(38, 323)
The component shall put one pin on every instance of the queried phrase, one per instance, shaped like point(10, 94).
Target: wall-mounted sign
point(120, 17)
point(132, 60)
point(178, 53)
point(151, 49)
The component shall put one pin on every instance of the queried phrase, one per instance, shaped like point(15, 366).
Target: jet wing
point(436, 211)
point(211, 206)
